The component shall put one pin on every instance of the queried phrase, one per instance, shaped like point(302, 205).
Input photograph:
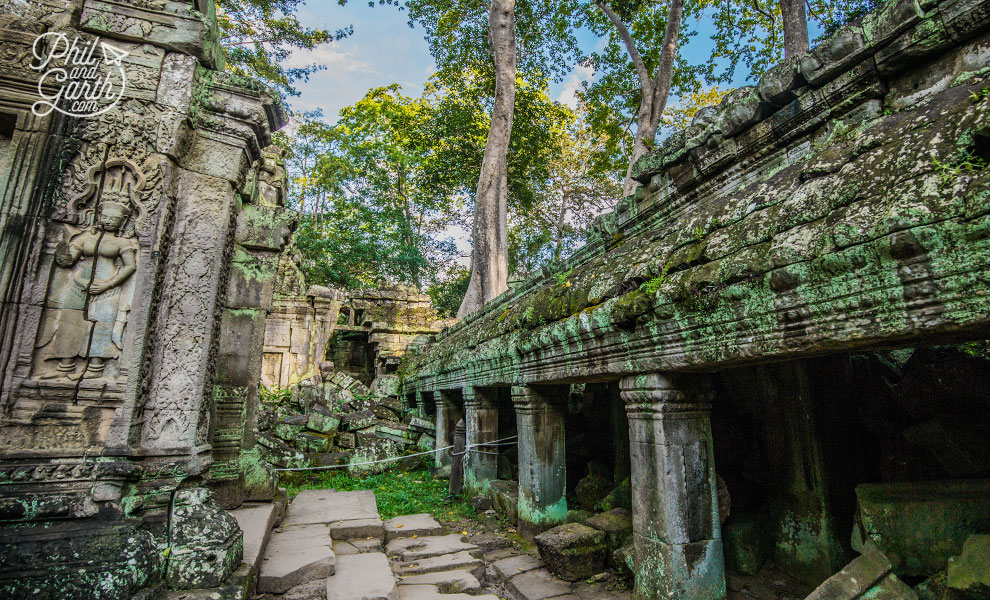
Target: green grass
point(398, 493)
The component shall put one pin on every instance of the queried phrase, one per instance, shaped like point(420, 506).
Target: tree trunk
point(795, 28)
point(654, 90)
point(489, 261)
point(558, 251)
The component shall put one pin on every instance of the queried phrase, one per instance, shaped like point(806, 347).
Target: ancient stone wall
point(841, 205)
point(375, 326)
point(136, 247)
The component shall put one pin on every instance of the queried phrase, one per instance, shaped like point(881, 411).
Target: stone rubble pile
point(337, 420)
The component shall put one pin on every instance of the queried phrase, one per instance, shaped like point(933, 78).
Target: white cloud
point(333, 57)
point(568, 92)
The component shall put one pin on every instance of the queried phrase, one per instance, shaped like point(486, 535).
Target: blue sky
point(385, 50)
point(382, 50)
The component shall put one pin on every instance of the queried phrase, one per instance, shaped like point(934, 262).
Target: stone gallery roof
point(837, 204)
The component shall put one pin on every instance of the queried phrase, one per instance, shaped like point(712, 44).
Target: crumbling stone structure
point(763, 283)
point(139, 248)
point(362, 333)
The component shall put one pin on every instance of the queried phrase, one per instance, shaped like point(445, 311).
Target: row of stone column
point(677, 537)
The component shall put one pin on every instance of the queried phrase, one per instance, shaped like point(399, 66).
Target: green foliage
point(979, 95)
point(275, 396)
point(372, 214)
point(447, 292)
point(397, 493)
point(967, 162)
point(258, 36)
point(652, 286)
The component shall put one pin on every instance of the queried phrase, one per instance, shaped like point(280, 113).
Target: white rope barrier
point(398, 458)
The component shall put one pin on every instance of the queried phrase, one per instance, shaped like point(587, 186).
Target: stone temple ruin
point(795, 298)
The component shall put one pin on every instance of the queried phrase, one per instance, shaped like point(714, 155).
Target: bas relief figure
point(91, 290)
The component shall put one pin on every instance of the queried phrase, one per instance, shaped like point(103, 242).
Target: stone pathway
point(334, 546)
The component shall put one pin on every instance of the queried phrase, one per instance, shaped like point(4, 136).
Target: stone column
point(447, 416)
point(676, 532)
point(420, 410)
point(481, 417)
point(542, 473)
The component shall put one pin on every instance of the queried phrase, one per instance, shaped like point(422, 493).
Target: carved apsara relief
point(92, 285)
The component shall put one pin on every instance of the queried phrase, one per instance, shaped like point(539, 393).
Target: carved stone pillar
point(263, 226)
point(677, 537)
point(420, 410)
point(481, 417)
point(542, 472)
point(447, 416)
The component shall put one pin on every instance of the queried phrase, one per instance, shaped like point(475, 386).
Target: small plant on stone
point(652, 286)
point(969, 162)
point(979, 95)
point(275, 396)
point(563, 275)
point(528, 314)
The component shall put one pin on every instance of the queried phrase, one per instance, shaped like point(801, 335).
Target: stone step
point(362, 577)
point(413, 549)
point(430, 592)
point(409, 525)
point(256, 521)
point(459, 561)
point(448, 582)
point(296, 554)
point(357, 546)
point(349, 514)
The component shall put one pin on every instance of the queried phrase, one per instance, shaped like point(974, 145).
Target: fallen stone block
point(460, 561)
point(384, 413)
point(480, 503)
point(969, 573)
point(422, 425)
point(322, 420)
point(446, 582)
point(296, 555)
point(358, 420)
point(365, 576)
point(919, 525)
point(425, 443)
point(288, 428)
point(746, 543)
point(870, 575)
point(313, 443)
point(505, 498)
point(573, 551)
point(415, 549)
point(616, 524)
point(412, 525)
point(345, 440)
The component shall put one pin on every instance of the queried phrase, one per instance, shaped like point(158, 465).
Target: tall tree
point(489, 233)
point(454, 31)
point(654, 80)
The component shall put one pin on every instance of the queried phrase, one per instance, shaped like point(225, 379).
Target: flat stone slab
point(256, 521)
point(409, 525)
point(460, 561)
point(349, 514)
point(296, 555)
point(413, 549)
point(537, 584)
point(448, 582)
point(358, 528)
point(430, 592)
point(514, 565)
point(362, 577)
point(357, 546)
